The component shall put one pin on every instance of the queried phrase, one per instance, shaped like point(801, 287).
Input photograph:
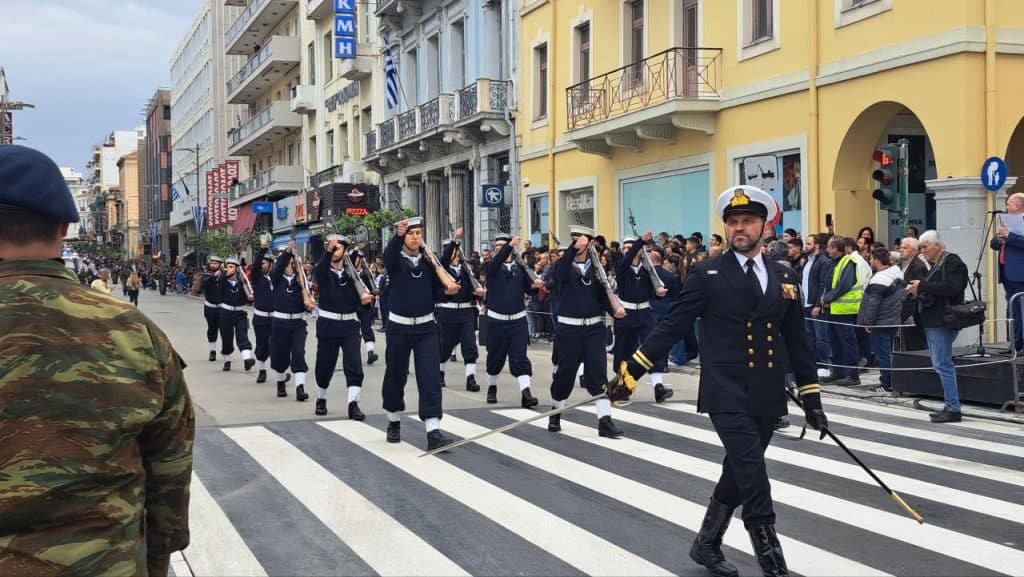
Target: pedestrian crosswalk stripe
point(909, 413)
point(962, 466)
point(906, 485)
point(802, 558)
point(215, 547)
point(554, 534)
point(344, 511)
point(898, 527)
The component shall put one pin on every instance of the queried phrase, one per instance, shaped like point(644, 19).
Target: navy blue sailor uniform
point(211, 309)
point(287, 326)
point(233, 320)
point(262, 309)
point(507, 331)
point(411, 328)
point(456, 317)
point(337, 328)
point(366, 312)
point(635, 293)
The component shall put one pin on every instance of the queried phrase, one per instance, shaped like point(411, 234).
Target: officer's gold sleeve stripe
point(641, 358)
point(810, 389)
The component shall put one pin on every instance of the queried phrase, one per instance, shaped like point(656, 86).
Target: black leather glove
point(816, 419)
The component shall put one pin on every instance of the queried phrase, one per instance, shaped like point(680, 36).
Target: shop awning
point(280, 241)
point(246, 219)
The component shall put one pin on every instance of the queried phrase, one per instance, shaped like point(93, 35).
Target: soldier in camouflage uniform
point(97, 422)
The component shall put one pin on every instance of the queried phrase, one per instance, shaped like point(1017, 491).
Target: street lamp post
point(195, 218)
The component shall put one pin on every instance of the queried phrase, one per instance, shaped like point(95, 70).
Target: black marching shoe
point(394, 431)
point(471, 385)
point(768, 551)
point(354, 413)
point(249, 364)
point(661, 393)
point(945, 416)
point(442, 379)
point(528, 400)
point(707, 547)
point(261, 377)
point(436, 439)
point(492, 394)
point(213, 356)
point(227, 366)
point(282, 391)
point(300, 393)
point(371, 357)
point(555, 422)
point(606, 428)
point(321, 407)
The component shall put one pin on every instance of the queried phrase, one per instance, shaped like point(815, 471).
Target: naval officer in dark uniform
point(211, 302)
point(636, 290)
point(456, 314)
point(337, 326)
point(753, 328)
point(233, 320)
point(580, 331)
point(288, 324)
point(507, 332)
point(411, 330)
point(262, 307)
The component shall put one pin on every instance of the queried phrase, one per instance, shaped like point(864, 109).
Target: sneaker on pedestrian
point(882, 389)
point(947, 417)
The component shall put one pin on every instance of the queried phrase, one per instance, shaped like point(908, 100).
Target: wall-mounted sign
point(345, 29)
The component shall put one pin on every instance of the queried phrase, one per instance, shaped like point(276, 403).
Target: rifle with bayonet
point(645, 258)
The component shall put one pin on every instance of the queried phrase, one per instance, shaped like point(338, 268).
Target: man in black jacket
point(941, 288)
point(914, 268)
point(815, 277)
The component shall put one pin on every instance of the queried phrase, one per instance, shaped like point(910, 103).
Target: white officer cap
point(746, 199)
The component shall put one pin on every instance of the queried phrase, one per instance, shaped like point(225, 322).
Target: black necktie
point(755, 284)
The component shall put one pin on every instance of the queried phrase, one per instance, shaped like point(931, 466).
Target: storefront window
point(674, 203)
point(538, 218)
point(579, 209)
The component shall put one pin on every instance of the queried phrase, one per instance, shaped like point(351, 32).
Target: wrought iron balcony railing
point(675, 74)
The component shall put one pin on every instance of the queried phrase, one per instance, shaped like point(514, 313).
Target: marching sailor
point(262, 307)
point(507, 330)
point(366, 312)
point(337, 326)
point(233, 320)
point(753, 317)
point(211, 302)
point(456, 314)
point(411, 330)
point(288, 324)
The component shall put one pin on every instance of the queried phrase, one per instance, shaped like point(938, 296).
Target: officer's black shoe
point(436, 439)
point(442, 380)
point(261, 377)
point(768, 551)
point(781, 423)
point(227, 365)
point(354, 412)
point(371, 357)
point(606, 428)
point(300, 393)
point(394, 431)
point(213, 356)
point(555, 422)
point(528, 399)
point(471, 385)
point(661, 393)
point(321, 407)
point(249, 364)
point(707, 547)
point(282, 391)
point(492, 394)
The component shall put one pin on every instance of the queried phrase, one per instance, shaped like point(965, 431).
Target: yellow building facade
point(129, 209)
point(656, 106)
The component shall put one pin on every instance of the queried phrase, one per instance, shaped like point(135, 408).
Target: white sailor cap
point(269, 257)
point(630, 238)
point(746, 199)
point(414, 222)
point(342, 239)
point(563, 247)
point(578, 229)
point(233, 261)
point(502, 237)
point(214, 258)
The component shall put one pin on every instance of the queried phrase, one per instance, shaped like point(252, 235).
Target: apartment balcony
point(276, 182)
point(361, 66)
point(317, 9)
point(648, 100)
point(254, 25)
point(266, 127)
point(412, 135)
point(304, 99)
point(275, 60)
point(386, 8)
point(234, 2)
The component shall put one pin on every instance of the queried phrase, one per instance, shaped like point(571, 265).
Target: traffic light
point(887, 189)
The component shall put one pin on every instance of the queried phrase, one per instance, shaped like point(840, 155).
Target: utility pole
point(6, 111)
point(199, 210)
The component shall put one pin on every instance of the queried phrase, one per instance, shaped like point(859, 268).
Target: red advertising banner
point(232, 175)
point(220, 176)
point(209, 201)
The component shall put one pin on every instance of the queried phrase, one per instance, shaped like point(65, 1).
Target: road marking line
point(215, 547)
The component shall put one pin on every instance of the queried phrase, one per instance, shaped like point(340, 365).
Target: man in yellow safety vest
point(842, 300)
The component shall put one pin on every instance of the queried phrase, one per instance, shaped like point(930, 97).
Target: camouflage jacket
point(96, 430)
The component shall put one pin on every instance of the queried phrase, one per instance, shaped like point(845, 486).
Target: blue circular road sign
point(993, 173)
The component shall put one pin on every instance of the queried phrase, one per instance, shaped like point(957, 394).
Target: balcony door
point(687, 60)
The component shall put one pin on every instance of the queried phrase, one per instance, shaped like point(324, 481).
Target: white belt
point(455, 305)
point(410, 321)
point(287, 316)
point(501, 317)
point(635, 306)
point(259, 313)
point(211, 305)
point(231, 308)
point(337, 316)
point(580, 322)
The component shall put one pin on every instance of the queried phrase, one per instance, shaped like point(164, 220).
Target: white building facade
point(82, 193)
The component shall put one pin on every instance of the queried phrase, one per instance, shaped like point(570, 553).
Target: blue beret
point(31, 182)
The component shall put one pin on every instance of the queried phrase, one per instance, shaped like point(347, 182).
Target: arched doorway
point(1015, 158)
point(881, 123)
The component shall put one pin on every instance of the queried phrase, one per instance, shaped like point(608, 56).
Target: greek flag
point(390, 81)
point(175, 195)
point(199, 217)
